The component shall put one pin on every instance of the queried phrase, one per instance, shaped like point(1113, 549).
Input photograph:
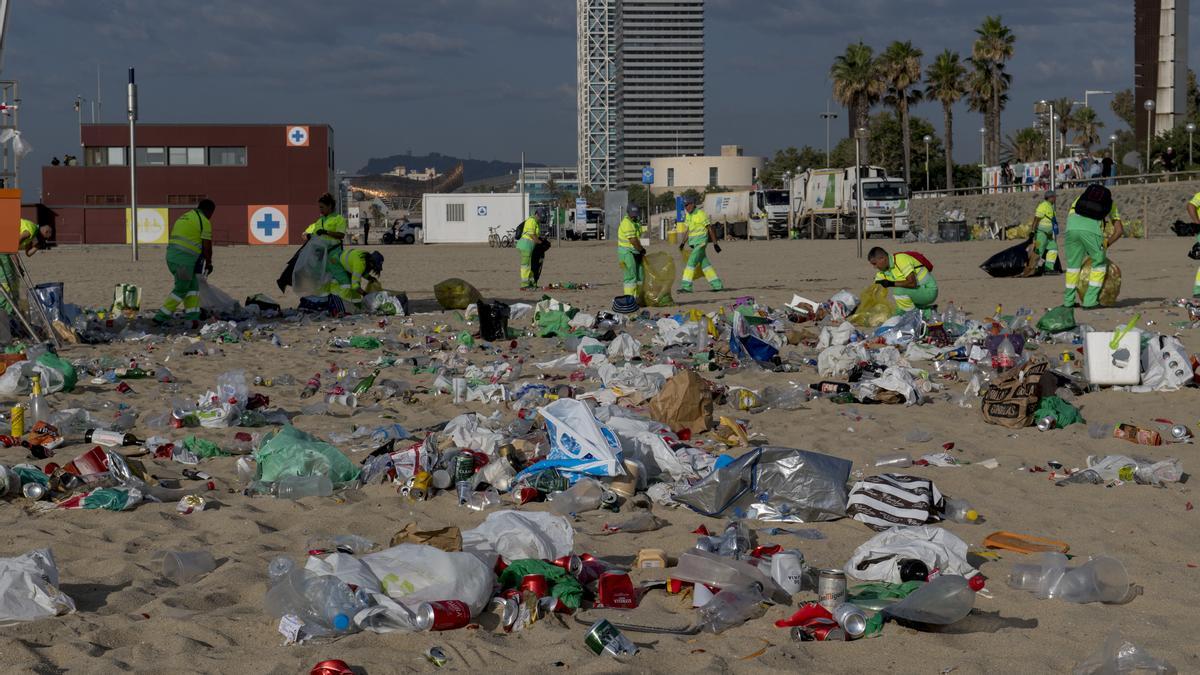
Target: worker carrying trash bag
point(630, 252)
point(1046, 222)
point(700, 232)
point(33, 238)
point(1085, 239)
point(910, 277)
point(351, 269)
point(328, 231)
point(189, 254)
point(533, 248)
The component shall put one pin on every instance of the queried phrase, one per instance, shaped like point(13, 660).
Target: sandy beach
point(130, 619)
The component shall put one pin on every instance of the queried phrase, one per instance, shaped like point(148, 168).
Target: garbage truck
point(826, 199)
point(735, 210)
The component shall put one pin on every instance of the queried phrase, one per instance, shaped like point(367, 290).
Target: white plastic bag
point(1165, 364)
point(29, 588)
point(579, 443)
point(346, 567)
point(835, 336)
point(414, 573)
point(215, 300)
point(624, 346)
point(879, 558)
point(839, 360)
point(309, 275)
point(16, 379)
point(521, 536)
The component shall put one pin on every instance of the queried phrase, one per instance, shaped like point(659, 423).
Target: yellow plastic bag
point(659, 269)
point(1019, 231)
point(455, 294)
point(1111, 289)
point(874, 307)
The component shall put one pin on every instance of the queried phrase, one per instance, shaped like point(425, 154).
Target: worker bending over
point(1046, 234)
point(351, 269)
point(1085, 239)
point(700, 232)
point(189, 254)
point(630, 252)
point(909, 277)
point(33, 237)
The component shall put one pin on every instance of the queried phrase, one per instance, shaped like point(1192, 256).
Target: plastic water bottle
point(732, 607)
point(333, 601)
point(390, 432)
point(961, 511)
point(298, 487)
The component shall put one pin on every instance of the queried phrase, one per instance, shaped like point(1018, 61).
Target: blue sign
point(580, 210)
point(648, 176)
point(267, 224)
point(679, 214)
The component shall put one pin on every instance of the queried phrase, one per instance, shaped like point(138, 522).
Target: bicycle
point(509, 240)
point(494, 239)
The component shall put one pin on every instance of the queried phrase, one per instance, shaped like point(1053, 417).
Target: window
point(670, 177)
point(754, 174)
point(227, 156)
point(116, 157)
point(712, 176)
point(186, 156)
point(456, 213)
point(101, 200)
point(184, 200)
point(151, 156)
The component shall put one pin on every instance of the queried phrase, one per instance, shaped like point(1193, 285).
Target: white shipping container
point(456, 218)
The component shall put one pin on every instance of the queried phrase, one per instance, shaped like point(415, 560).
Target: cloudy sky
point(490, 78)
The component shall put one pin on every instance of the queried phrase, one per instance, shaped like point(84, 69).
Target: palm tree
point(981, 86)
point(856, 83)
point(1027, 145)
point(992, 49)
point(900, 66)
point(946, 82)
point(1087, 127)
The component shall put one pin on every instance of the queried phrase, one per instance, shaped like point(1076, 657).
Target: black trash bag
point(1185, 229)
point(1011, 262)
point(493, 320)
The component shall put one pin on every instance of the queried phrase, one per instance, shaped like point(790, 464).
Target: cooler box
point(1102, 368)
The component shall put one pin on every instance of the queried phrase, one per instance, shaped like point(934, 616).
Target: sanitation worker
point(189, 254)
point(910, 277)
point(630, 252)
point(1046, 236)
point(700, 232)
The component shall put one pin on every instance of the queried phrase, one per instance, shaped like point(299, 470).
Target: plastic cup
point(897, 460)
point(1101, 579)
point(184, 567)
point(1026, 577)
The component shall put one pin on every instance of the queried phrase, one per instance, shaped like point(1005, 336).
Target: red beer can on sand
point(536, 584)
point(443, 615)
point(571, 563)
point(819, 630)
point(615, 590)
point(331, 667)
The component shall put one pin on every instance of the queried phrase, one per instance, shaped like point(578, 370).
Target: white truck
point(592, 229)
point(827, 199)
point(736, 210)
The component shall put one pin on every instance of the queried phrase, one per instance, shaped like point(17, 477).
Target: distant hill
point(473, 169)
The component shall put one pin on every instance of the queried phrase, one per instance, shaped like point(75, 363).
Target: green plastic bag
point(203, 448)
point(456, 294)
point(562, 585)
point(1064, 413)
point(659, 271)
point(552, 323)
point(1057, 320)
point(874, 307)
point(365, 342)
point(64, 368)
point(291, 452)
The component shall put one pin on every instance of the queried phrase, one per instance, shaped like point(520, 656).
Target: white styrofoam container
point(1100, 367)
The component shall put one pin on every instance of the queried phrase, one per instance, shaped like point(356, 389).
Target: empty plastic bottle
point(961, 511)
point(323, 602)
point(298, 487)
point(580, 497)
point(732, 607)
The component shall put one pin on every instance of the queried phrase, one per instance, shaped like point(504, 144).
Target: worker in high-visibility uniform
point(630, 252)
point(1085, 239)
point(352, 268)
point(328, 231)
point(189, 254)
point(1192, 206)
point(1046, 235)
point(33, 238)
point(699, 232)
point(531, 246)
point(913, 285)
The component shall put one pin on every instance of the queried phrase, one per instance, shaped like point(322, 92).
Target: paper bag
point(1012, 400)
point(685, 402)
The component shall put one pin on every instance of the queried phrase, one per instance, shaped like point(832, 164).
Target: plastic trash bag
point(16, 380)
point(522, 535)
point(1057, 320)
point(945, 600)
point(291, 452)
point(1011, 262)
point(874, 307)
point(493, 320)
point(455, 293)
point(215, 300)
point(770, 483)
point(29, 588)
point(413, 573)
point(21, 147)
point(903, 329)
point(879, 558)
point(1119, 655)
point(624, 346)
point(309, 275)
point(659, 271)
point(62, 368)
point(1111, 289)
point(579, 443)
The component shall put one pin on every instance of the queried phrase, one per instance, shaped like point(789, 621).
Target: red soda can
point(615, 590)
point(124, 387)
point(819, 630)
point(443, 615)
point(331, 667)
point(765, 551)
point(536, 584)
point(7, 441)
point(571, 563)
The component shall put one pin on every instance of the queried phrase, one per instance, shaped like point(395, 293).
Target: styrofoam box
point(1100, 367)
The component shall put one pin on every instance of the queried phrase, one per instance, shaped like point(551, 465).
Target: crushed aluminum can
point(1047, 423)
point(190, 504)
point(507, 610)
point(819, 630)
point(331, 667)
point(34, 491)
point(604, 638)
point(436, 656)
point(1180, 433)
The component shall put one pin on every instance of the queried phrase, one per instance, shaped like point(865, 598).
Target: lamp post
point(79, 115)
point(828, 116)
point(1191, 128)
point(1043, 107)
point(132, 111)
point(787, 181)
point(982, 157)
point(927, 139)
point(860, 134)
point(1148, 104)
point(1112, 151)
point(1093, 92)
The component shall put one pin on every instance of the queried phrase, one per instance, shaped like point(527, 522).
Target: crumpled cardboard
point(447, 538)
point(685, 402)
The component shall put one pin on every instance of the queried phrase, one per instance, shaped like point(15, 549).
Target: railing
point(1135, 179)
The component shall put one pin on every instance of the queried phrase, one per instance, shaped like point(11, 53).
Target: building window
point(186, 156)
point(151, 156)
point(670, 177)
point(227, 156)
point(754, 174)
point(456, 213)
point(115, 156)
point(184, 200)
point(103, 200)
point(712, 176)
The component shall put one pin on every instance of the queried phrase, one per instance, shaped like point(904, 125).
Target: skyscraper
point(1160, 49)
point(641, 85)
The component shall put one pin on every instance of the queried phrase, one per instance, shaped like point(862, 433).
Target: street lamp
point(927, 139)
point(828, 116)
point(982, 158)
point(79, 114)
point(1043, 107)
point(1112, 151)
point(860, 135)
point(1148, 104)
point(1191, 128)
point(1093, 92)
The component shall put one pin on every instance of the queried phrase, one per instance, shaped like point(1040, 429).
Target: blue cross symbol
point(297, 136)
point(268, 224)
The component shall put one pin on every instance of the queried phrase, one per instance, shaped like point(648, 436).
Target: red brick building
point(264, 178)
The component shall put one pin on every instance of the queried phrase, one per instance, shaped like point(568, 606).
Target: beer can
point(1046, 423)
point(851, 618)
point(536, 584)
point(603, 637)
point(442, 615)
point(571, 563)
point(818, 630)
point(615, 590)
point(831, 588)
point(1180, 433)
point(418, 488)
point(506, 610)
point(609, 500)
point(8, 441)
point(17, 421)
point(34, 491)
point(464, 467)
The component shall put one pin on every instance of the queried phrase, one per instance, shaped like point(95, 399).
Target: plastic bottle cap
point(341, 622)
point(972, 515)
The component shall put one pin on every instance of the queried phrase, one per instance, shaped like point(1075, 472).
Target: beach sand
point(130, 619)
